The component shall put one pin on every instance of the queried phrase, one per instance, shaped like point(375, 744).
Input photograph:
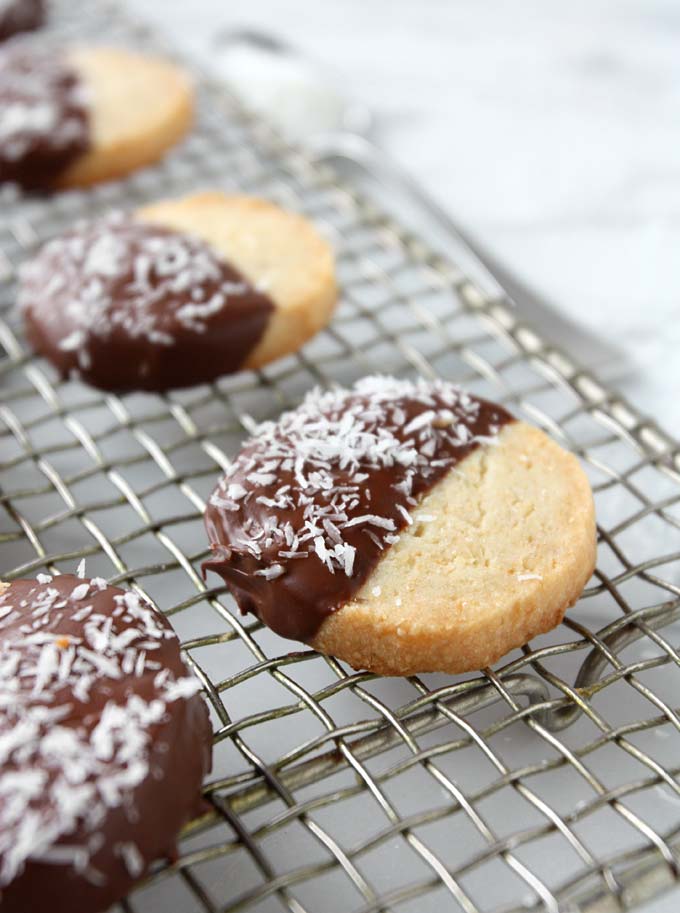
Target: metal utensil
point(303, 99)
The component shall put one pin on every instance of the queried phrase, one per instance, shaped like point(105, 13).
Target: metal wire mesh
point(549, 783)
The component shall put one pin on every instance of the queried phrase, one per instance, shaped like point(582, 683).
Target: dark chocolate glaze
point(44, 116)
point(20, 16)
point(127, 305)
point(371, 452)
point(141, 749)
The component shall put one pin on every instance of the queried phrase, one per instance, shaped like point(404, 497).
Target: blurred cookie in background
point(75, 117)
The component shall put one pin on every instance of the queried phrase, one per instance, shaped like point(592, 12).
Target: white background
point(550, 129)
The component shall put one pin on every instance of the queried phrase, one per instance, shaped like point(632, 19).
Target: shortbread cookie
point(76, 117)
point(105, 742)
point(403, 527)
point(183, 293)
point(20, 16)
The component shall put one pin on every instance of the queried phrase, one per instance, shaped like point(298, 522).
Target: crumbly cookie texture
point(139, 106)
point(404, 527)
point(104, 741)
point(279, 252)
point(497, 552)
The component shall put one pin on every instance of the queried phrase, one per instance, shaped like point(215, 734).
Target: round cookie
point(187, 291)
point(403, 527)
point(20, 16)
point(76, 117)
point(104, 743)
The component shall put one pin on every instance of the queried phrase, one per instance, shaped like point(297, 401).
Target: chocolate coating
point(44, 119)
point(132, 306)
point(311, 502)
point(20, 16)
point(104, 742)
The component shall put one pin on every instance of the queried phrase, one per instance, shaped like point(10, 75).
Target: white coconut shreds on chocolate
point(140, 265)
point(98, 713)
point(127, 304)
point(44, 114)
point(304, 511)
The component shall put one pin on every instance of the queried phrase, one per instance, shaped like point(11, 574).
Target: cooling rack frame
point(72, 457)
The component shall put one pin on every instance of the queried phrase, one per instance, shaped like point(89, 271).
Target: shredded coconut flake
point(80, 592)
point(272, 572)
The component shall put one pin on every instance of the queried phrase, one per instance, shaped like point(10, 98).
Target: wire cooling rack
point(548, 783)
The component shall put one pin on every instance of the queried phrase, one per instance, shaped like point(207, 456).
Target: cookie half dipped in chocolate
point(404, 527)
point(105, 743)
point(20, 16)
point(178, 295)
point(74, 117)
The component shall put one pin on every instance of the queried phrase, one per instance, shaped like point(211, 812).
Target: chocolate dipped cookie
point(403, 526)
point(179, 294)
point(104, 743)
point(74, 117)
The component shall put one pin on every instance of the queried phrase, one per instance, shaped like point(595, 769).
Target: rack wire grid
point(548, 783)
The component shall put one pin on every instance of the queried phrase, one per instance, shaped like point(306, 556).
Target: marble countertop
point(550, 130)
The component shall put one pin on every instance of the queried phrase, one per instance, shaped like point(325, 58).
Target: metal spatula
point(304, 101)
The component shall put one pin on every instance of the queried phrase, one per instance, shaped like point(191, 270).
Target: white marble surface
point(551, 130)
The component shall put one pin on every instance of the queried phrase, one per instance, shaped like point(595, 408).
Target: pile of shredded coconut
point(56, 772)
point(38, 101)
point(327, 450)
point(119, 274)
